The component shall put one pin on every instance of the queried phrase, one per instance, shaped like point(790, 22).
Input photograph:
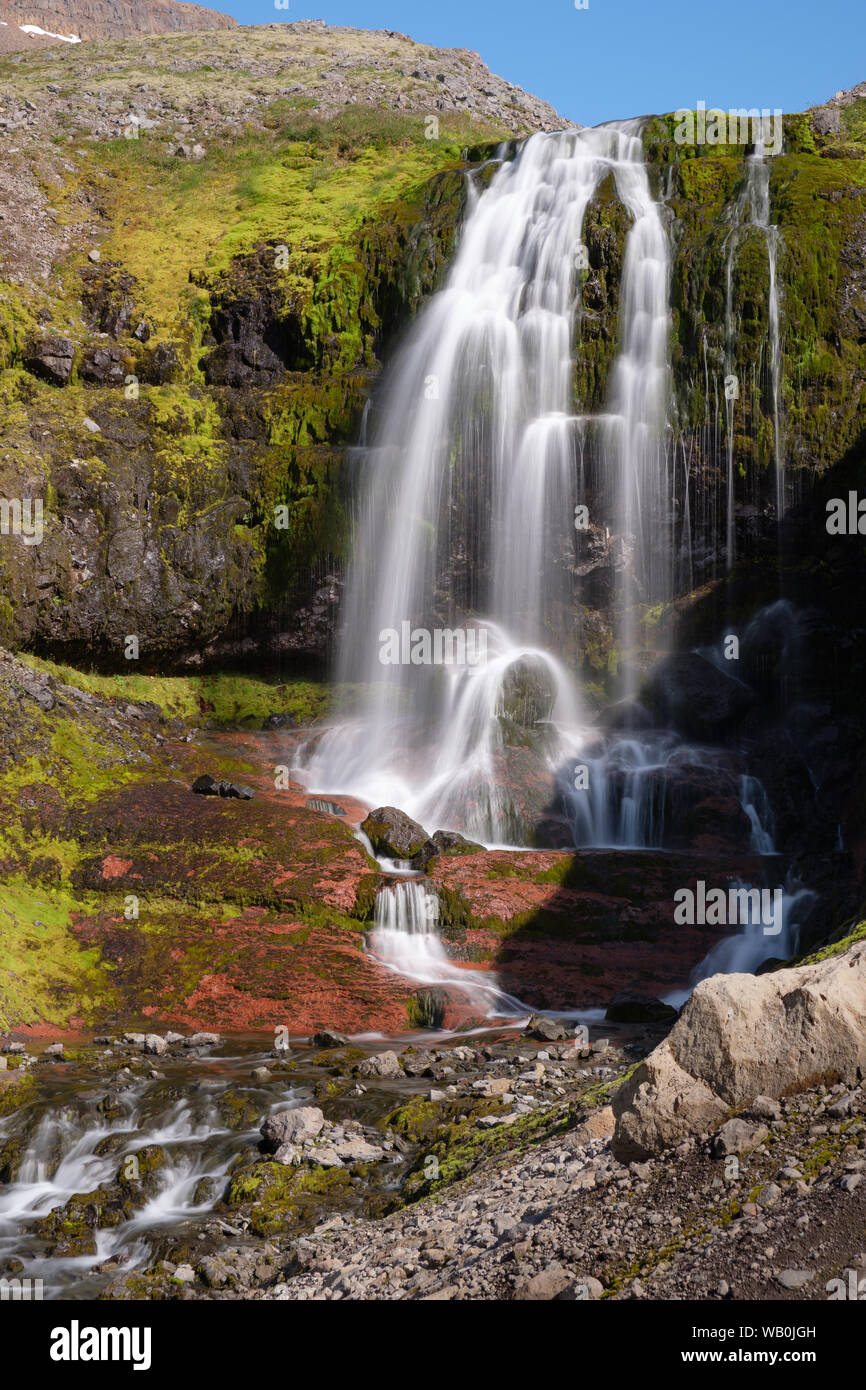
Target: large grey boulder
point(292, 1126)
point(744, 1036)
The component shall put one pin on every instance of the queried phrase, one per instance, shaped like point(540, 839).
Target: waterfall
point(752, 210)
point(468, 488)
point(743, 952)
point(405, 940)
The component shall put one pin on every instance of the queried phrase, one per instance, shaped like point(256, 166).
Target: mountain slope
point(25, 26)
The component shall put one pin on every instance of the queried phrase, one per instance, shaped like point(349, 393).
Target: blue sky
point(627, 57)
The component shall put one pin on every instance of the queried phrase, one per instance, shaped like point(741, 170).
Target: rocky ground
point(492, 1168)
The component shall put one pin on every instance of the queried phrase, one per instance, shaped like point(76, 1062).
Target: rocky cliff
point(99, 19)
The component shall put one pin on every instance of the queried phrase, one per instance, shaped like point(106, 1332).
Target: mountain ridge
point(73, 21)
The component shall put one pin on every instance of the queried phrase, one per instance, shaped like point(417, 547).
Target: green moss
point(45, 975)
point(276, 1197)
point(223, 699)
point(844, 939)
point(15, 1092)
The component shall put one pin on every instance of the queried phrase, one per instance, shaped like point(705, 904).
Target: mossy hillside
point(123, 891)
point(329, 239)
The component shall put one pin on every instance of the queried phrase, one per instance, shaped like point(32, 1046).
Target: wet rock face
point(691, 695)
point(258, 338)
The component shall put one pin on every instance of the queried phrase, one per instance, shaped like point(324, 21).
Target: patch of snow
point(34, 29)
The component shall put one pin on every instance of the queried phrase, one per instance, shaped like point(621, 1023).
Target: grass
point(219, 699)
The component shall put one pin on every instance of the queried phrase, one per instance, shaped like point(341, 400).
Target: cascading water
point(469, 492)
point(77, 1148)
point(743, 952)
point(751, 210)
point(405, 940)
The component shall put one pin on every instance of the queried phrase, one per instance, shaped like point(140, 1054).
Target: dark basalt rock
point(104, 365)
point(428, 851)
point(209, 786)
point(258, 338)
point(51, 359)
point(690, 694)
point(394, 834)
point(627, 1006)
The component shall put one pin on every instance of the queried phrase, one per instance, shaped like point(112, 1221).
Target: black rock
point(428, 851)
point(629, 1007)
point(328, 1039)
point(209, 786)
point(690, 694)
point(206, 786)
point(236, 791)
point(50, 358)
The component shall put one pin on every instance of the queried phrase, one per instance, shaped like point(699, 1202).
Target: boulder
point(660, 1105)
point(50, 358)
point(380, 1064)
point(359, 1151)
point(326, 1038)
point(627, 1006)
point(826, 120)
point(292, 1127)
point(201, 1040)
point(741, 1037)
point(547, 1029)
point(393, 834)
point(450, 842)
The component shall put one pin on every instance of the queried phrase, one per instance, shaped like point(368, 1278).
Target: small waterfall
point(405, 940)
point(757, 807)
point(75, 1149)
point(752, 211)
point(743, 952)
